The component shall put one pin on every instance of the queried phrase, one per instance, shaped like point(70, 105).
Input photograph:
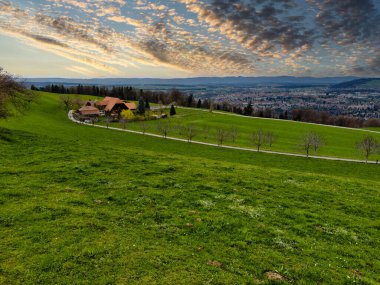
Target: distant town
point(360, 104)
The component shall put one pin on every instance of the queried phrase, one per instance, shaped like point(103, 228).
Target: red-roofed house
point(89, 111)
point(111, 104)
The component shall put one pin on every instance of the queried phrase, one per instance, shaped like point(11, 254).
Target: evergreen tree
point(172, 111)
point(248, 109)
point(141, 107)
point(147, 105)
point(190, 100)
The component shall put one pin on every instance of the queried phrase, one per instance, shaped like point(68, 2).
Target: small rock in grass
point(215, 263)
point(270, 275)
point(189, 225)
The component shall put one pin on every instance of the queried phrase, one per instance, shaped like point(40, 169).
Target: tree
point(163, 128)
point(269, 138)
point(248, 109)
point(143, 127)
point(147, 105)
point(141, 106)
point(128, 115)
point(172, 111)
point(368, 145)
point(13, 95)
point(190, 100)
point(258, 138)
point(67, 101)
point(311, 141)
point(108, 118)
point(221, 136)
point(190, 132)
point(234, 134)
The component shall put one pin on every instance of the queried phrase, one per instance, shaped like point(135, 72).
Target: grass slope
point(339, 142)
point(81, 205)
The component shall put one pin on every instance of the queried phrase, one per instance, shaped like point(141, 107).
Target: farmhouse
point(89, 111)
point(110, 104)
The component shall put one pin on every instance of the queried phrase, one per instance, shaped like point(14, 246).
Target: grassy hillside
point(339, 142)
point(81, 205)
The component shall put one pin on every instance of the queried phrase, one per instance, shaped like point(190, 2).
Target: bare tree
point(318, 142)
point(163, 128)
point(206, 131)
point(221, 136)
point(67, 101)
point(143, 127)
point(123, 121)
point(258, 138)
point(368, 145)
point(234, 133)
point(311, 141)
point(190, 132)
point(270, 138)
point(180, 129)
point(13, 95)
point(108, 118)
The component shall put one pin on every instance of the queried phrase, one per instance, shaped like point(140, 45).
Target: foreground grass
point(81, 205)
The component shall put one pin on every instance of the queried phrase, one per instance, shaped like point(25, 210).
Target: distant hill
point(363, 83)
point(280, 81)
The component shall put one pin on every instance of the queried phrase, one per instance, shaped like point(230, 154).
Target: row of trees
point(125, 93)
point(309, 143)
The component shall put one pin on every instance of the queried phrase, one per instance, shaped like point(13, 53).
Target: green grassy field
point(288, 135)
point(82, 205)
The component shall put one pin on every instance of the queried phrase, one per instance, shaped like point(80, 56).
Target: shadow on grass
point(6, 135)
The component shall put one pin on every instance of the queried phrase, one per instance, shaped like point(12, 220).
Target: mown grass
point(81, 205)
point(338, 142)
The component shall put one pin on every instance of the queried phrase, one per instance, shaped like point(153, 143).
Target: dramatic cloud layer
point(193, 37)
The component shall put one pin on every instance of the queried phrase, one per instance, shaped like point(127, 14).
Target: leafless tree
point(67, 101)
point(123, 121)
point(108, 118)
point(143, 127)
point(206, 131)
point(180, 129)
point(163, 128)
point(258, 138)
point(368, 145)
point(234, 133)
point(270, 138)
point(221, 136)
point(311, 141)
point(13, 95)
point(190, 132)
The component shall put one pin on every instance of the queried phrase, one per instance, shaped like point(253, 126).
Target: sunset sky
point(186, 38)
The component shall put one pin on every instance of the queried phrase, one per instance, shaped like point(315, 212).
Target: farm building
point(110, 104)
point(89, 111)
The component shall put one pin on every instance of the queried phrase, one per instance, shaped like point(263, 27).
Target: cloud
point(347, 22)
point(260, 26)
point(209, 37)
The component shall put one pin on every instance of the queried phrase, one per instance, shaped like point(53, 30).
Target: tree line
point(187, 100)
point(124, 93)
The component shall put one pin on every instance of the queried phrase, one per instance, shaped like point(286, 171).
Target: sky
point(188, 38)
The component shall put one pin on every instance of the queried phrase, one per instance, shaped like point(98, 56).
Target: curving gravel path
point(71, 117)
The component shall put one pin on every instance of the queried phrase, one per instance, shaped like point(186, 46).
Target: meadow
point(82, 205)
point(338, 142)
